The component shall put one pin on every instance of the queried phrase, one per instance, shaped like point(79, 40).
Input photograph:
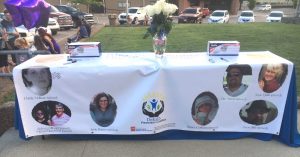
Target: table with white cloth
point(155, 98)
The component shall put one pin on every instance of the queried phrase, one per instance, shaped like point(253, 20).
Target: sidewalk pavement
point(12, 146)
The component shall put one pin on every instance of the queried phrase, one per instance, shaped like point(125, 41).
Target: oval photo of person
point(204, 108)
point(236, 78)
point(272, 76)
point(37, 79)
point(103, 109)
point(258, 112)
point(51, 113)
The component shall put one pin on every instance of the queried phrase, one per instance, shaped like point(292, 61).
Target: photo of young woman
point(37, 79)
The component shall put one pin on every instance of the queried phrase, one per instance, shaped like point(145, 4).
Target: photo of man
point(258, 112)
point(234, 85)
point(60, 117)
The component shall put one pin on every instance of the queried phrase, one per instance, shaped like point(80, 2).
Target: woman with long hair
point(49, 41)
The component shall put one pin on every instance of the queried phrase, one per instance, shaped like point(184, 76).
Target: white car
point(24, 33)
point(219, 16)
point(29, 34)
point(275, 16)
point(246, 16)
point(264, 7)
point(133, 12)
point(53, 25)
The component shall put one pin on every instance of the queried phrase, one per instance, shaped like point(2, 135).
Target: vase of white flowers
point(161, 24)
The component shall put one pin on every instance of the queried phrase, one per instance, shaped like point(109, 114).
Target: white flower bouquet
point(160, 12)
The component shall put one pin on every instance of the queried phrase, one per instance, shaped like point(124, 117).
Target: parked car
point(246, 16)
point(89, 18)
point(133, 12)
point(263, 7)
point(275, 16)
point(53, 26)
point(64, 20)
point(190, 15)
point(219, 16)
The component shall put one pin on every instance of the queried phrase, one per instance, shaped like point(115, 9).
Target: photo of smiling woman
point(103, 109)
point(272, 76)
point(37, 79)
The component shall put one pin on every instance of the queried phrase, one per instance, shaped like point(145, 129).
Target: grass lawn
point(281, 39)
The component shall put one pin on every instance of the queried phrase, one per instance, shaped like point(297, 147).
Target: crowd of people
point(10, 39)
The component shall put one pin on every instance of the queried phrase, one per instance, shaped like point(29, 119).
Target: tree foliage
point(194, 2)
point(87, 2)
point(295, 2)
point(251, 4)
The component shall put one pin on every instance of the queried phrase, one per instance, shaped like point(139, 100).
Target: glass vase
point(159, 44)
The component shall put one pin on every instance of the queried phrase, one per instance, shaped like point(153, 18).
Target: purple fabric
point(30, 13)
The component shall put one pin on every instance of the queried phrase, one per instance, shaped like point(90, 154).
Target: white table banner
point(136, 93)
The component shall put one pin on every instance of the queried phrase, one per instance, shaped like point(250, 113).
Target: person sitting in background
point(81, 33)
point(49, 41)
point(135, 21)
point(87, 26)
point(38, 44)
point(21, 44)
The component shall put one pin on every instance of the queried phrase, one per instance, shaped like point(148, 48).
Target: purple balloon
point(30, 13)
point(11, 6)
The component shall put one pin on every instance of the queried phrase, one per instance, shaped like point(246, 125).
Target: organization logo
point(153, 105)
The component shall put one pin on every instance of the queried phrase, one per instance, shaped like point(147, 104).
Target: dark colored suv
point(190, 15)
point(89, 18)
point(64, 20)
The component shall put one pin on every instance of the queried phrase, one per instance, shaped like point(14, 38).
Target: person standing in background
point(4, 68)
point(12, 34)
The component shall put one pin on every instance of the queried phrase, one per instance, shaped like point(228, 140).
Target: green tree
point(194, 2)
point(295, 3)
point(251, 4)
point(89, 2)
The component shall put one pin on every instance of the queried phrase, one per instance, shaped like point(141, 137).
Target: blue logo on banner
point(153, 107)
